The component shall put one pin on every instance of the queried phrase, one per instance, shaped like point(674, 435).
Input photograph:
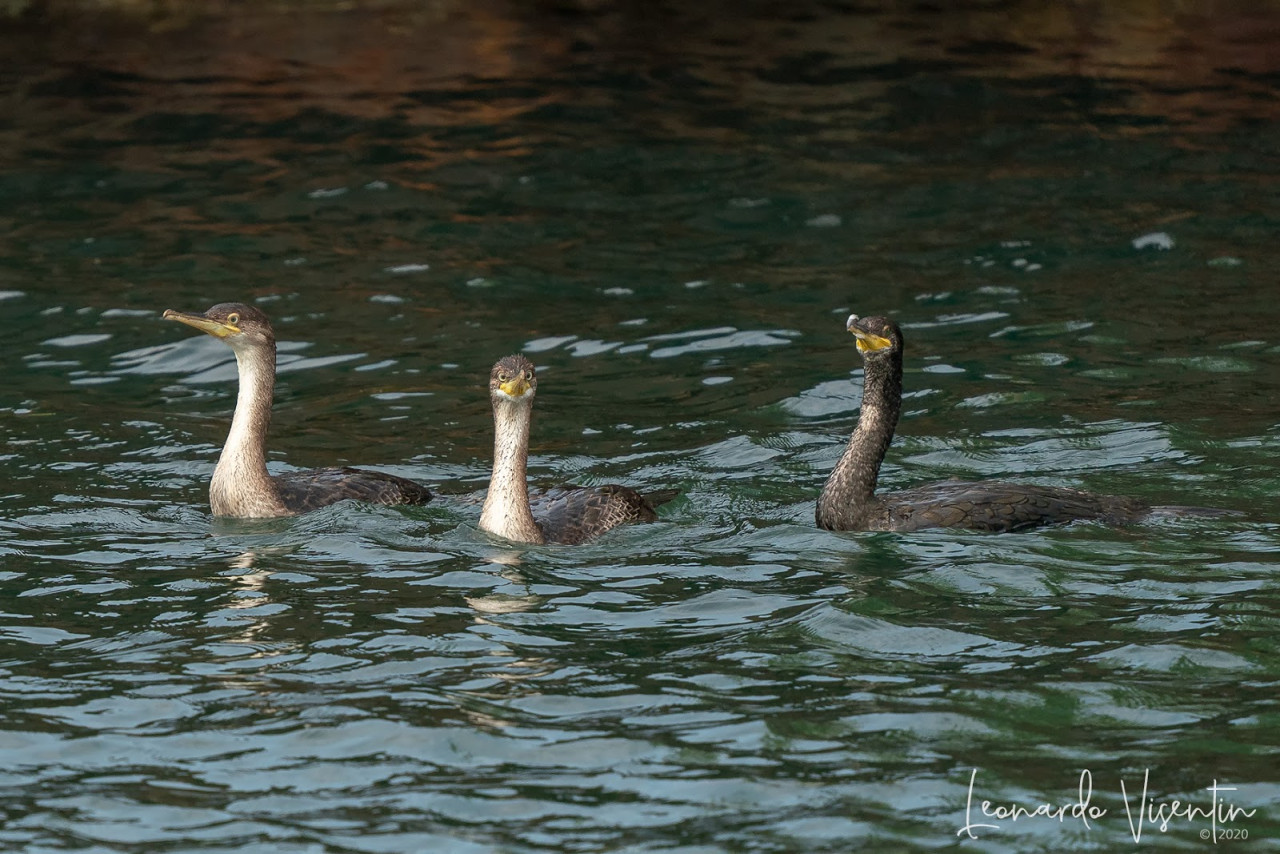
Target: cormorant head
point(877, 336)
point(237, 324)
point(513, 378)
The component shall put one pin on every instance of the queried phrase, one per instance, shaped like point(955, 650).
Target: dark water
point(1071, 210)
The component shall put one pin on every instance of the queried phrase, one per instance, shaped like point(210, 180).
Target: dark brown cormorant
point(241, 486)
point(569, 514)
point(849, 502)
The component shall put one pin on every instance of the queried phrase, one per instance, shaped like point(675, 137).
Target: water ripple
point(675, 210)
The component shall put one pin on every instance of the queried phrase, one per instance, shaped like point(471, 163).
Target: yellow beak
point(868, 343)
point(515, 387)
point(215, 328)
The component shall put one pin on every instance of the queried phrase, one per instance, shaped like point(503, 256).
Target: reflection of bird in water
point(241, 485)
point(849, 503)
point(569, 514)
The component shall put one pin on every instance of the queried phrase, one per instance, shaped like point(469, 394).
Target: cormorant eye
point(503, 376)
point(528, 376)
point(233, 318)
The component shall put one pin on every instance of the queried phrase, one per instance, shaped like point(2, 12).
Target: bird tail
point(660, 496)
point(1180, 511)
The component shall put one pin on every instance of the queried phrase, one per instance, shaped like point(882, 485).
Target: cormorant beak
point(867, 342)
point(515, 388)
point(216, 328)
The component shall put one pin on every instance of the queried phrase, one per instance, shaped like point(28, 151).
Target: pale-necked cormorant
point(568, 515)
point(241, 485)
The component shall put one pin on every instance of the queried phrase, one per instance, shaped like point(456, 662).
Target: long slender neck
point(849, 492)
point(241, 485)
point(506, 508)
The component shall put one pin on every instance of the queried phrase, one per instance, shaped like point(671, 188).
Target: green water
point(671, 213)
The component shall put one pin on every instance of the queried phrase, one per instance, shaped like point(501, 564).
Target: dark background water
point(1071, 209)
